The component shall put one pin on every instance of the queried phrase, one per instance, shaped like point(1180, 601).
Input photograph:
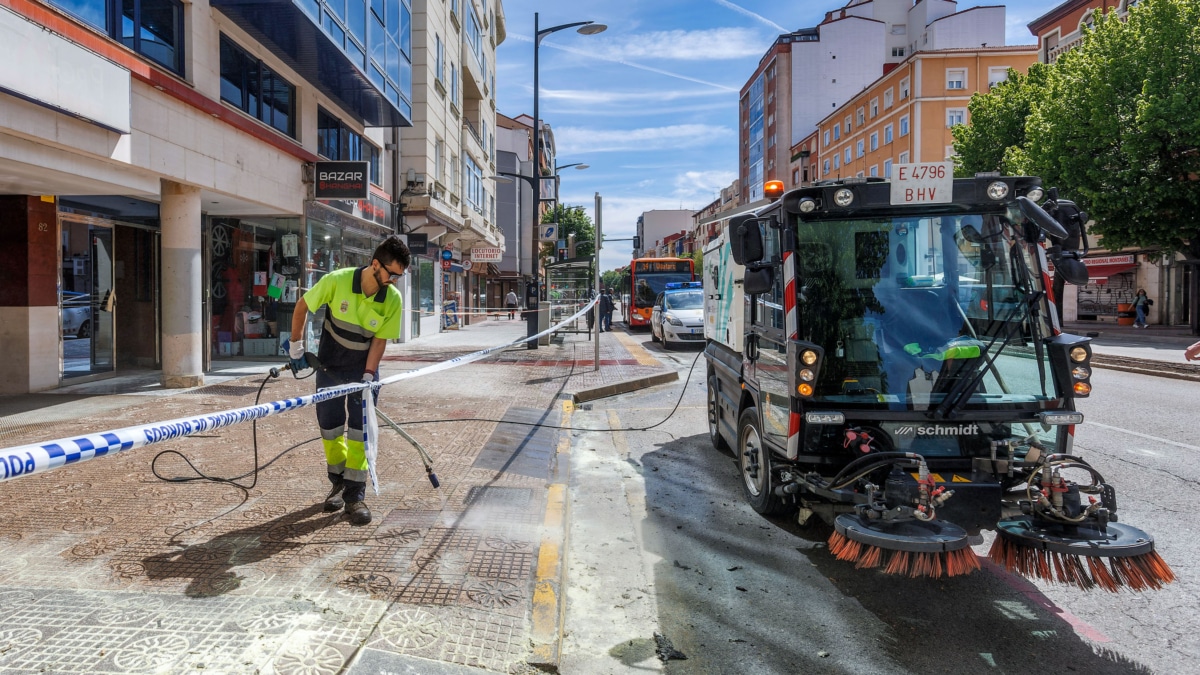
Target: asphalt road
point(662, 542)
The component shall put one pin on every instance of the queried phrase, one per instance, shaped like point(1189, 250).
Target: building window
point(956, 78)
point(795, 176)
point(454, 84)
point(847, 156)
point(874, 170)
point(152, 28)
point(439, 72)
point(903, 159)
point(903, 89)
point(874, 141)
point(897, 51)
point(904, 125)
point(997, 75)
point(837, 162)
point(837, 132)
point(858, 147)
point(874, 107)
point(825, 167)
point(473, 177)
point(439, 154)
point(887, 98)
point(887, 134)
point(338, 142)
point(826, 138)
point(250, 86)
point(848, 125)
point(860, 117)
point(955, 116)
point(887, 168)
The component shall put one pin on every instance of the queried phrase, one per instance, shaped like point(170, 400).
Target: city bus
point(647, 278)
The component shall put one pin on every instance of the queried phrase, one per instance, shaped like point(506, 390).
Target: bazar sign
point(341, 180)
point(486, 254)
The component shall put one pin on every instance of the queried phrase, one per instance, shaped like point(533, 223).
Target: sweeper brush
point(1086, 557)
point(910, 548)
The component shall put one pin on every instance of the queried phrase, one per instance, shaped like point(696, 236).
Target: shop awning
point(1099, 274)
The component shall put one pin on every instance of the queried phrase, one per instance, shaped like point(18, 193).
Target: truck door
point(770, 356)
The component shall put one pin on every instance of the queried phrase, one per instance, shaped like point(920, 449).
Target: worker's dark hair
point(393, 249)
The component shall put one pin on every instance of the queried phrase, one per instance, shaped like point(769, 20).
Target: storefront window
point(254, 279)
point(424, 287)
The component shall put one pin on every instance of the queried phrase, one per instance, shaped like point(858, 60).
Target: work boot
point(334, 502)
point(356, 511)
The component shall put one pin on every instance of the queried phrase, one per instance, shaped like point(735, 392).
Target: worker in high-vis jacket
point(363, 310)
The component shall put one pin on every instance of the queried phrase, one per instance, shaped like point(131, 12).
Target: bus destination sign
point(662, 266)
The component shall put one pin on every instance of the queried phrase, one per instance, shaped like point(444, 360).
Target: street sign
point(467, 265)
point(447, 254)
point(445, 264)
point(925, 183)
point(548, 232)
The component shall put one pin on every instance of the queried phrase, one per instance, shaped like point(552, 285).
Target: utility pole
point(596, 309)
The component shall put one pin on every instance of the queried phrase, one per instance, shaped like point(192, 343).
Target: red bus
point(647, 278)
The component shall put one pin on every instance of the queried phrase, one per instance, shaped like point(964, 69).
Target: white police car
point(678, 314)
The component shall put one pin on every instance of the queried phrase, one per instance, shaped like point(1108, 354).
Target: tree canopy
point(1115, 125)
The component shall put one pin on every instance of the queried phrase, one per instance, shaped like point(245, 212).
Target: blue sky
point(651, 103)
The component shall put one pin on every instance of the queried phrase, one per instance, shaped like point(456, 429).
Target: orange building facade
point(906, 115)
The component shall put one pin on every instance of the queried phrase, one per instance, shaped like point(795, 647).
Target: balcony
point(290, 32)
point(1064, 46)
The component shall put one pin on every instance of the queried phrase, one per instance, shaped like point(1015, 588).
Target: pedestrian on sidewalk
point(510, 302)
point(1141, 305)
point(606, 310)
point(363, 313)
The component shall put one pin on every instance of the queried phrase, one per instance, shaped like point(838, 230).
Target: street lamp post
point(532, 293)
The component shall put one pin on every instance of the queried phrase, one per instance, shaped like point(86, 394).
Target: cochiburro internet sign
point(341, 180)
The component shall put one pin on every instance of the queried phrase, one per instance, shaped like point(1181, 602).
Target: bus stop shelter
point(568, 289)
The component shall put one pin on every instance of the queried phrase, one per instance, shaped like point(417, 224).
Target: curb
point(1149, 367)
point(624, 387)
point(549, 590)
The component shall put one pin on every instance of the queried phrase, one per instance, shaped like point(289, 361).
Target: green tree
point(996, 139)
point(1118, 128)
point(571, 220)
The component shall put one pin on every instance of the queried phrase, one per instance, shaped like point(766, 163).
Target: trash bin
point(1126, 314)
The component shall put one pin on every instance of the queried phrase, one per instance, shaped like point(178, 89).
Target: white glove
point(369, 377)
point(296, 350)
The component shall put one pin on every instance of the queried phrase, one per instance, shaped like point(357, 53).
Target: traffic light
point(637, 243)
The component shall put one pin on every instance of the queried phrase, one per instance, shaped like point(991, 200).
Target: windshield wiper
point(965, 387)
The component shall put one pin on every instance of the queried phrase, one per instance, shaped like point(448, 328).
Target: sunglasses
point(392, 276)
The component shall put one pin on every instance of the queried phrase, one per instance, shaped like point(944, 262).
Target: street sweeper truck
point(885, 355)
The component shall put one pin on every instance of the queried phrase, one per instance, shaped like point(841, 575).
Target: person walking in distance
point(1141, 305)
point(606, 310)
point(510, 302)
point(362, 312)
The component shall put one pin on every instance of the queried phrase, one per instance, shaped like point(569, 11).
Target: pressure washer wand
point(433, 479)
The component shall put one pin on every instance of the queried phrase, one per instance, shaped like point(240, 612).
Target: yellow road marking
point(636, 349)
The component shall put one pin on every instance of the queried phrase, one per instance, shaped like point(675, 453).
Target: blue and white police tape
point(27, 460)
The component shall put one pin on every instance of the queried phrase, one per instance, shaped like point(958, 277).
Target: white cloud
point(702, 185)
point(713, 44)
point(572, 140)
point(593, 96)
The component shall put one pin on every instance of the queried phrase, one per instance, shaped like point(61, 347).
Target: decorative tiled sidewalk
point(104, 568)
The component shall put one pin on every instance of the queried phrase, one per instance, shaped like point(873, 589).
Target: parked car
point(678, 314)
point(76, 314)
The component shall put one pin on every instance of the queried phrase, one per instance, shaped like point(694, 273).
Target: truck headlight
point(1059, 417)
point(843, 197)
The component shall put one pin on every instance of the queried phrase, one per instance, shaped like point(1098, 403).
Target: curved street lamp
point(533, 294)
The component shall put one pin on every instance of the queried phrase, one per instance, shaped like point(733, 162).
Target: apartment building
point(158, 208)
point(655, 226)
point(449, 152)
point(906, 115)
point(808, 73)
point(514, 145)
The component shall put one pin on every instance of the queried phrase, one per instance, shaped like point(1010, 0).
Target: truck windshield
point(906, 307)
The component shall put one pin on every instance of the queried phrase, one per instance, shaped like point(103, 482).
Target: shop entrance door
point(88, 299)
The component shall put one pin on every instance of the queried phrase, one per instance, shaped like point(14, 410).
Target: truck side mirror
point(1045, 222)
point(1073, 271)
point(758, 279)
point(745, 239)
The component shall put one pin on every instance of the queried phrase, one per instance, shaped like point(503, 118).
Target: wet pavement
point(105, 568)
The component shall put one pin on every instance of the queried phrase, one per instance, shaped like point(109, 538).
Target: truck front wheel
point(754, 460)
